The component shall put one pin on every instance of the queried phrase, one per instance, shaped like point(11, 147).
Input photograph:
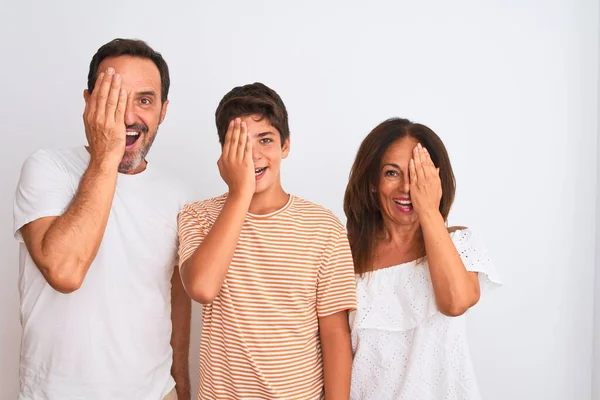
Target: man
point(101, 296)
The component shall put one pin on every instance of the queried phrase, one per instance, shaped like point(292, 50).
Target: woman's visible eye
point(391, 173)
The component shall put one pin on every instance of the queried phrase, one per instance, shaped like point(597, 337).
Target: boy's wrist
point(240, 196)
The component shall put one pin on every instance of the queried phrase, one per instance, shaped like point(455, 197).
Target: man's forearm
point(71, 242)
point(181, 309)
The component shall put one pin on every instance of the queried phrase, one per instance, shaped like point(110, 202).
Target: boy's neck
point(268, 201)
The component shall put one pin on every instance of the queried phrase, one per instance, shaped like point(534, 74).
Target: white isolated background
point(510, 86)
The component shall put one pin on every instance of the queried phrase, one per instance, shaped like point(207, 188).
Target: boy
point(274, 271)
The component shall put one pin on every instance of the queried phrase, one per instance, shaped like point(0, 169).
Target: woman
point(415, 276)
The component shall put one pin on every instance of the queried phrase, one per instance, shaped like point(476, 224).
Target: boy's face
point(267, 151)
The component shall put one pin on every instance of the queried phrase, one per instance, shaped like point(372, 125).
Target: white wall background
point(511, 87)
point(596, 352)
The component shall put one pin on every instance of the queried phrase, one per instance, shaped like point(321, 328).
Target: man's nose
point(129, 115)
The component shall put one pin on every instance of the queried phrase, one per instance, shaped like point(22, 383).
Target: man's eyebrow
point(147, 93)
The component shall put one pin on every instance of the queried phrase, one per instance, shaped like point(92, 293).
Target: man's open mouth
point(131, 138)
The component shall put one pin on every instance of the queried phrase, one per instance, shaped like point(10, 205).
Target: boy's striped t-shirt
point(260, 337)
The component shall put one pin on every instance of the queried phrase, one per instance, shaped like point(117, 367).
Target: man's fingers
point(93, 98)
point(103, 95)
point(85, 119)
point(113, 98)
point(120, 109)
point(85, 111)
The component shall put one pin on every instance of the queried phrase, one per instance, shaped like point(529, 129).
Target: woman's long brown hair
point(361, 203)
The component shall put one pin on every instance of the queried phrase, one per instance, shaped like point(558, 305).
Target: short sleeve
point(336, 287)
point(474, 255)
point(192, 228)
point(44, 190)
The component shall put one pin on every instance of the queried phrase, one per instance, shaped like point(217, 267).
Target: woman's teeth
point(258, 171)
point(403, 203)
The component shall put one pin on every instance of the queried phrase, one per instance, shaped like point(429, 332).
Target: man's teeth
point(132, 133)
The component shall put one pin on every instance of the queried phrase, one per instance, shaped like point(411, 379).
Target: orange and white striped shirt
point(260, 336)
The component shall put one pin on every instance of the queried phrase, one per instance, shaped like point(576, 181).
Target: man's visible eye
point(145, 101)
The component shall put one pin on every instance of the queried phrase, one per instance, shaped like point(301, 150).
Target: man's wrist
point(183, 391)
point(103, 165)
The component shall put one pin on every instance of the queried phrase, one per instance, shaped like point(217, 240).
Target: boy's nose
point(255, 154)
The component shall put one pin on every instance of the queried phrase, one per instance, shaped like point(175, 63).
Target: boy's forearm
point(337, 355)
point(204, 272)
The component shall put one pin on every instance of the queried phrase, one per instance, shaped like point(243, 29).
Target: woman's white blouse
point(404, 348)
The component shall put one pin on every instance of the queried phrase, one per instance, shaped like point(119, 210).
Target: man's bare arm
point(64, 247)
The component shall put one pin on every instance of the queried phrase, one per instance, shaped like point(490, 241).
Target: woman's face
point(394, 183)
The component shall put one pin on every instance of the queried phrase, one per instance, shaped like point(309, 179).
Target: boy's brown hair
point(255, 98)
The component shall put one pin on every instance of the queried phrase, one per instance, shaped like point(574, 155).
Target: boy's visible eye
point(265, 140)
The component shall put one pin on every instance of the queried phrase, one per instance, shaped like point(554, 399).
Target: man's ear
point(285, 148)
point(86, 95)
point(163, 111)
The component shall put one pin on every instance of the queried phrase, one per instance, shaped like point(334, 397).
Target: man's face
point(144, 111)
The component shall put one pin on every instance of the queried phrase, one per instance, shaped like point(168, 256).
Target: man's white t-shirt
point(110, 339)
